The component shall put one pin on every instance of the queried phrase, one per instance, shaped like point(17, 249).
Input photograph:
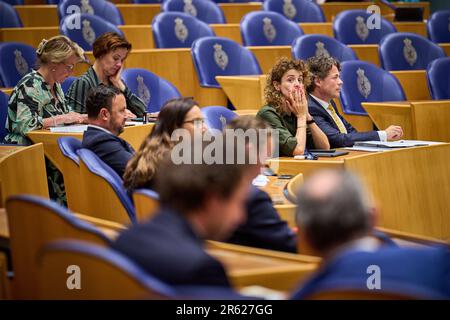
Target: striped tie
point(336, 119)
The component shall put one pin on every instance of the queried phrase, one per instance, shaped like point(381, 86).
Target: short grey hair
point(336, 216)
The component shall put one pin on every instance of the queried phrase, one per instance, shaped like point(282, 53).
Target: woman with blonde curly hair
point(182, 113)
point(287, 109)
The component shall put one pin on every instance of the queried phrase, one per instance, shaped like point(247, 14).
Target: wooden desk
point(331, 9)
point(414, 84)
point(420, 120)
point(4, 229)
point(28, 35)
point(22, 170)
point(446, 47)
point(137, 13)
point(410, 186)
point(285, 208)
point(38, 15)
point(245, 92)
point(132, 134)
point(234, 12)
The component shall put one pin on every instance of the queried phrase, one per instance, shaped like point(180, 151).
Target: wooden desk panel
point(29, 35)
point(420, 120)
point(132, 134)
point(22, 170)
point(410, 186)
point(446, 47)
point(414, 84)
point(139, 13)
point(230, 30)
point(413, 27)
point(38, 15)
point(234, 12)
point(247, 266)
point(245, 92)
point(268, 56)
point(140, 36)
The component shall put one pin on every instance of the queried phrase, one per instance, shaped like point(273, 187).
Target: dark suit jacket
point(113, 150)
point(168, 248)
point(329, 127)
point(264, 228)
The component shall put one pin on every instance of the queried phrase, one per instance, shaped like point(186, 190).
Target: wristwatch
point(310, 121)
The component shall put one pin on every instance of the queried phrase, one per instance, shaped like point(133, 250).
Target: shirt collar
point(323, 103)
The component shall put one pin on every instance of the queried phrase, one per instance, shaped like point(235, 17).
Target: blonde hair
point(57, 49)
point(273, 96)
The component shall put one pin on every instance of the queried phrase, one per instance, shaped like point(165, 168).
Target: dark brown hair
point(320, 66)
point(108, 42)
point(100, 97)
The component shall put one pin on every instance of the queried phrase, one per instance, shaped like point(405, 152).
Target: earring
point(53, 70)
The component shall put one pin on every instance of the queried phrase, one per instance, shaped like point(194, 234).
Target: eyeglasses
point(196, 122)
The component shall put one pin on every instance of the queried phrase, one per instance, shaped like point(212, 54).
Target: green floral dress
point(30, 102)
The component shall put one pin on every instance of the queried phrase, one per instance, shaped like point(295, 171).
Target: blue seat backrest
point(267, 28)
point(101, 169)
point(365, 82)
point(217, 56)
point(310, 45)
point(438, 77)
point(69, 147)
point(90, 28)
point(9, 18)
point(417, 273)
point(407, 51)
point(204, 10)
point(438, 26)
point(350, 27)
point(178, 30)
point(3, 114)
point(17, 59)
point(150, 88)
point(103, 9)
point(296, 10)
point(217, 117)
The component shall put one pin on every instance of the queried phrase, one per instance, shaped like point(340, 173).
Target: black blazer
point(113, 150)
point(168, 248)
point(329, 127)
point(264, 228)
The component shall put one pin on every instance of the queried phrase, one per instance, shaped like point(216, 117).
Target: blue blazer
point(329, 127)
point(113, 150)
point(168, 248)
point(422, 273)
point(263, 227)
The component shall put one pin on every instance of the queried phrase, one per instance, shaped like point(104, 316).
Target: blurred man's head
point(332, 210)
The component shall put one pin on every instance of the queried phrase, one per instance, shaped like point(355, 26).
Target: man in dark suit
point(199, 201)
point(106, 108)
point(326, 86)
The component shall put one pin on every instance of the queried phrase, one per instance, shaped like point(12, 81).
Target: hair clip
point(41, 46)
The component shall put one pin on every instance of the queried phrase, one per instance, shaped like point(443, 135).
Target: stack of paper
point(69, 129)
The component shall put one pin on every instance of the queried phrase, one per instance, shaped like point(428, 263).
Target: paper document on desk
point(69, 129)
point(394, 144)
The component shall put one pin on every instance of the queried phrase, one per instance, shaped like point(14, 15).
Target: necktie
point(336, 119)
